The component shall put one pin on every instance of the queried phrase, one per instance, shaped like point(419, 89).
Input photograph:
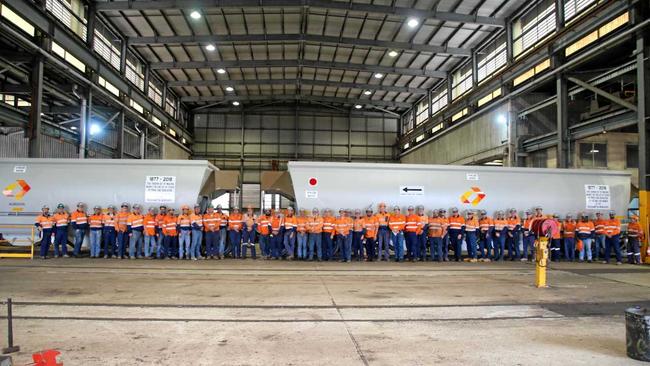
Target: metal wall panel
point(53, 147)
point(13, 144)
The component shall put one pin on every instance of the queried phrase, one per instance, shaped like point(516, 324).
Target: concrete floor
point(109, 312)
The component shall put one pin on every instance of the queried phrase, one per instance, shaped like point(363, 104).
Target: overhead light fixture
point(367, 92)
point(221, 71)
point(412, 22)
point(358, 106)
point(393, 53)
point(594, 151)
point(502, 119)
point(230, 88)
point(235, 103)
point(195, 14)
point(379, 75)
point(73, 128)
point(183, 140)
point(94, 129)
point(210, 47)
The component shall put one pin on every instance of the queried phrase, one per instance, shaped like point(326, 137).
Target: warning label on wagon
point(160, 189)
point(597, 197)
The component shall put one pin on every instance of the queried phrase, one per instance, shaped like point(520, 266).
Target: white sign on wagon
point(471, 176)
point(597, 196)
point(160, 189)
point(411, 190)
point(20, 168)
point(311, 194)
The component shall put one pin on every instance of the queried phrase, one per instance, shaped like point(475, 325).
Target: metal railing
point(22, 234)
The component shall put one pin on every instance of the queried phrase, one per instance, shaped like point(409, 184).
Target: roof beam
point(323, 4)
point(292, 98)
point(409, 46)
point(327, 83)
point(295, 63)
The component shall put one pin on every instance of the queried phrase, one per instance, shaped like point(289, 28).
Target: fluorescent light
point(594, 151)
point(94, 129)
point(358, 106)
point(502, 119)
point(379, 75)
point(367, 92)
point(393, 53)
point(210, 47)
point(230, 88)
point(235, 103)
point(195, 14)
point(184, 141)
point(412, 22)
point(73, 127)
point(221, 71)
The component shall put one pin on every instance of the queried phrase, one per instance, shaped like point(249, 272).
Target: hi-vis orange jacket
point(96, 222)
point(169, 225)
point(45, 222)
point(456, 222)
point(235, 222)
point(436, 227)
point(328, 224)
point(210, 222)
point(396, 222)
point(569, 228)
point(612, 227)
point(150, 225)
point(315, 225)
point(370, 225)
point(343, 225)
point(263, 225)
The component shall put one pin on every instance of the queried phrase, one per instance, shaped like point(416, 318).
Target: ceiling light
point(73, 127)
point(195, 14)
point(393, 53)
point(230, 88)
point(94, 129)
point(367, 92)
point(221, 71)
point(358, 106)
point(235, 103)
point(379, 75)
point(502, 119)
point(412, 22)
point(210, 47)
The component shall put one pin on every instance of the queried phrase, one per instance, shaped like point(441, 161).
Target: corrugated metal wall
point(270, 140)
point(12, 143)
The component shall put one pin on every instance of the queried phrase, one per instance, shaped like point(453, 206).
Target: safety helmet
point(124, 204)
point(483, 212)
point(369, 209)
point(236, 208)
point(81, 204)
point(136, 206)
point(111, 207)
point(454, 210)
point(634, 217)
point(442, 210)
point(45, 207)
point(151, 208)
point(185, 207)
point(197, 205)
point(60, 205)
point(568, 216)
point(97, 208)
point(469, 212)
point(162, 206)
point(599, 213)
point(382, 204)
point(314, 210)
point(288, 208)
point(410, 208)
point(612, 213)
point(219, 207)
point(396, 208)
point(357, 211)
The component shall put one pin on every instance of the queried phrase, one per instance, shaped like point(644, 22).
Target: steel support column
point(34, 127)
point(119, 149)
point(562, 116)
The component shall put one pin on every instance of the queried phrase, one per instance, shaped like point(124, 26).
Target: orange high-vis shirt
point(423, 220)
point(301, 224)
point(184, 221)
point(223, 219)
point(513, 222)
point(235, 222)
point(471, 224)
point(290, 222)
point(358, 224)
point(45, 222)
point(196, 219)
point(600, 226)
point(160, 221)
point(585, 228)
point(122, 218)
point(96, 221)
point(556, 235)
point(169, 225)
point(396, 222)
point(528, 224)
point(79, 218)
point(569, 227)
point(109, 220)
point(343, 225)
point(634, 230)
point(249, 220)
point(276, 225)
point(135, 221)
point(315, 225)
point(436, 227)
point(210, 222)
point(485, 223)
point(263, 223)
point(61, 220)
point(371, 225)
point(411, 225)
point(382, 219)
point(500, 224)
point(613, 227)
point(328, 224)
point(150, 225)
point(456, 222)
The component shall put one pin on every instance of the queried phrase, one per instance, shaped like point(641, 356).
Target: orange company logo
point(17, 189)
point(473, 196)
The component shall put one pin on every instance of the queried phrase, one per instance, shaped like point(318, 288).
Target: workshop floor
point(110, 312)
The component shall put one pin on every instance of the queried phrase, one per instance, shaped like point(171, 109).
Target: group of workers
point(414, 236)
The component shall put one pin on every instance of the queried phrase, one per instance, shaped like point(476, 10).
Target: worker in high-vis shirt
point(423, 221)
point(263, 228)
point(442, 213)
point(160, 224)
point(61, 219)
point(369, 236)
point(150, 230)
point(635, 236)
point(301, 236)
point(184, 223)
point(223, 231)
point(121, 228)
point(435, 233)
point(79, 222)
point(135, 228)
point(599, 241)
point(586, 232)
point(500, 233)
point(289, 240)
point(470, 231)
point(556, 240)
point(485, 236)
point(235, 224)
point(396, 224)
point(109, 220)
point(411, 234)
point(512, 238)
point(315, 240)
point(613, 238)
point(248, 232)
point(196, 221)
point(343, 229)
point(45, 223)
point(170, 231)
point(357, 233)
point(211, 232)
point(328, 235)
point(383, 234)
point(277, 223)
point(456, 228)
point(529, 238)
point(568, 236)
point(95, 223)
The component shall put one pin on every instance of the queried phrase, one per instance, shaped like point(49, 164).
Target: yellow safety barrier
point(32, 235)
point(541, 260)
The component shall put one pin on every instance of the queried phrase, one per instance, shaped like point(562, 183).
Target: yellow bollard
point(541, 259)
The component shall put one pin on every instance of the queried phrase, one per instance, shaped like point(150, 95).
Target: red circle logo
point(313, 181)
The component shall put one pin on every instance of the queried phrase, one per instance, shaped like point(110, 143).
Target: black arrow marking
point(407, 189)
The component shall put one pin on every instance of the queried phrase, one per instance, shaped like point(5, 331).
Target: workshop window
point(533, 27)
point(631, 156)
point(438, 101)
point(593, 155)
point(491, 58)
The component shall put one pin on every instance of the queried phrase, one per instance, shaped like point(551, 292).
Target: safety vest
point(328, 224)
point(569, 228)
point(456, 222)
point(45, 222)
point(436, 227)
point(263, 223)
point(79, 218)
point(358, 224)
point(170, 223)
point(423, 221)
point(210, 222)
point(110, 221)
point(471, 224)
point(584, 228)
point(223, 219)
point(122, 218)
point(315, 224)
point(136, 221)
point(290, 222)
point(613, 227)
point(96, 222)
point(370, 224)
point(634, 230)
point(150, 225)
point(411, 225)
point(396, 222)
point(500, 224)
point(513, 222)
point(485, 224)
point(599, 226)
point(196, 219)
point(382, 219)
point(276, 225)
point(61, 220)
point(235, 222)
point(344, 225)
